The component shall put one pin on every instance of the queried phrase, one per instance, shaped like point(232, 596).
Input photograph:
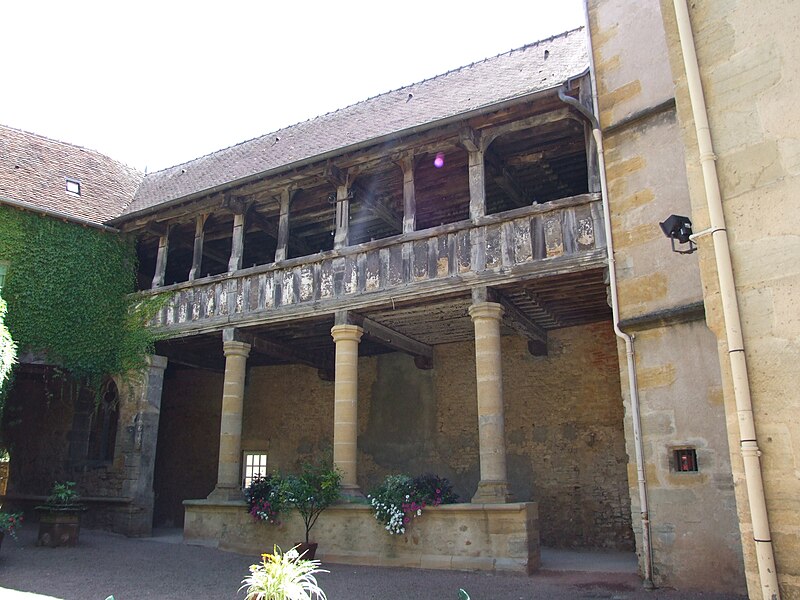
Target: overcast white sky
point(154, 84)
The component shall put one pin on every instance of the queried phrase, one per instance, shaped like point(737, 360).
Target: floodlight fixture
point(679, 228)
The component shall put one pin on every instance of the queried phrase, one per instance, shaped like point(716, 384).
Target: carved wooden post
point(471, 140)
point(341, 237)
point(409, 193)
point(237, 244)
point(282, 250)
point(592, 167)
point(197, 252)
point(161, 258)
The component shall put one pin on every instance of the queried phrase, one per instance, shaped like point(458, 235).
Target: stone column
point(229, 485)
point(345, 410)
point(493, 486)
point(140, 402)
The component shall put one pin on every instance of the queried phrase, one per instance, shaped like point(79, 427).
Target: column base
point(226, 494)
point(492, 492)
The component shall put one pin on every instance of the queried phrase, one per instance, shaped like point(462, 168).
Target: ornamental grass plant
point(283, 576)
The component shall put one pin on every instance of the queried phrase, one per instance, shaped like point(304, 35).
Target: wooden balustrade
point(534, 241)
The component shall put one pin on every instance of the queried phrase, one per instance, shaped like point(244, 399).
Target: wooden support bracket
point(422, 353)
point(524, 325)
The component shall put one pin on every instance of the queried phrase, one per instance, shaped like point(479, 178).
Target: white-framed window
point(73, 186)
point(255, 465)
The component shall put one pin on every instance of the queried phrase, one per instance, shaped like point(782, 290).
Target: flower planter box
point(59, 526)
point(487, 537)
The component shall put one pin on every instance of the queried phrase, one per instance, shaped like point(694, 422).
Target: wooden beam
point(197, 247)
point(195, 361)
point(207, 252)
point(341, 236)
point(281, 351)
point(281, 251)
point(542, 307)
point(489, 135)
point(288, 353)
point(422, 353)
point(476, 171)
point(161, 258)
point(470, 139)
point(592, 165)
point(334, 175)
point(406, 162)
point(237, 243)
point(377, 208)
point(506, 180)
point(523, 324)
point(273, 231)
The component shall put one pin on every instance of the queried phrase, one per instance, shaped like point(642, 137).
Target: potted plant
point(283, 576)
point(8, 524)
point(60, 516)
point(311, 492)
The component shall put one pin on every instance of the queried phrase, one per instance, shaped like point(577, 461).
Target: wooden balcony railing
point(560, 236)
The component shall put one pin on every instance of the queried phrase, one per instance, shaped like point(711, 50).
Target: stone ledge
point(485, 537)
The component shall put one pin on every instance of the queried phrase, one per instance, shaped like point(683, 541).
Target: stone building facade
point(433, 295)
point(745, 59)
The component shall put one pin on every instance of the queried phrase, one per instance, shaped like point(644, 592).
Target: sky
point(154, 84)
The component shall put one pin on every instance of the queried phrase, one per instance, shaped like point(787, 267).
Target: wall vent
point(685, 460)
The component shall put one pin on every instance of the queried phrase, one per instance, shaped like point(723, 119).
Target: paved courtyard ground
point(162, 568)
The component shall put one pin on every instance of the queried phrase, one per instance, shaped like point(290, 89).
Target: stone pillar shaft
point(345, 411)
point(230, 432)
point(493, 487)
point(136, 518)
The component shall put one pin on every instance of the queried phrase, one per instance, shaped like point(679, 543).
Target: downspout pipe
point(730, 310)
point(647, 549)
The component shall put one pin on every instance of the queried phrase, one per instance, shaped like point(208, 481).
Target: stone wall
point(748, 55)
point(485, 537)
point(47, 426)
point(36, 429)
point(693, 518)
point(188, 441)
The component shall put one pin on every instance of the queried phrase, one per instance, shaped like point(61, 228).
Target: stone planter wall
point(489, 537)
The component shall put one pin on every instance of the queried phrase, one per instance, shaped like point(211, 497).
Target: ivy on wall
point(68, 291)
point(8, 348)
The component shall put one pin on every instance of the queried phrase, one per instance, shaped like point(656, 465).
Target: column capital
point(343, 333)
point(235, 348)
point(486, 310)
point(154, 361)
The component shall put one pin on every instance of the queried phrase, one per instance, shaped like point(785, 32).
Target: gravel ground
point(143, 569)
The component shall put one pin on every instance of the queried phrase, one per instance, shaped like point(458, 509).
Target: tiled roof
point(517, 73)
point(34, 170)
